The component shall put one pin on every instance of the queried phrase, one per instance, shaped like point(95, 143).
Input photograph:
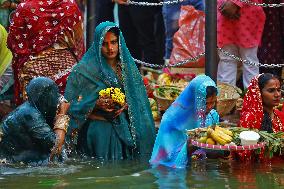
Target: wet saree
point(27, 131)
point(187, 112)
point(129, 135)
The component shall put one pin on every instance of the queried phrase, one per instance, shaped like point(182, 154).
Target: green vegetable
point(274, 142)
point(168, 92)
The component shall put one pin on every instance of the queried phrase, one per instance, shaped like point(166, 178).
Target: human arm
point(105, 104)
point(105, 109)
point(123, 108)
point(230, 9)
point(60, 128)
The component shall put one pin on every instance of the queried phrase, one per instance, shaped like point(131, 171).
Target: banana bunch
point(218, 136)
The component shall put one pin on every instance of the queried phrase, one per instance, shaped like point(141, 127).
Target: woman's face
point(110, 46)
point(271, 93)
point(210, 103)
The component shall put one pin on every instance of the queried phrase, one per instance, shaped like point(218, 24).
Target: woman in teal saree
point(102, 132)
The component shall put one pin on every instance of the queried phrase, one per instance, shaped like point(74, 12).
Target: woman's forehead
point(272, 83)
point(110, 36)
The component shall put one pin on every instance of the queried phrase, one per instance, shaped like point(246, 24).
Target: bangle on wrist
point(61, 122)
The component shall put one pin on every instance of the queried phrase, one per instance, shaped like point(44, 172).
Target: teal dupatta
point(134, 128)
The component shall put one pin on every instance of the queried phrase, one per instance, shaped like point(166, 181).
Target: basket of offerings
point(173, 80)
point(166, 95)
point(227, 98)
point(236, 138)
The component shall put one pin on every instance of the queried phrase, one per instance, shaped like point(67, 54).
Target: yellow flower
point(115, 93)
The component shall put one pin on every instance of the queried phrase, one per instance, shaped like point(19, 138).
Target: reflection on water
point(138, 174)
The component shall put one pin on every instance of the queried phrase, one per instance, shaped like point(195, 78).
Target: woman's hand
point(105, 104)
point(57, 148)
point(230, 10)
point(118, 112)
point(59, 129)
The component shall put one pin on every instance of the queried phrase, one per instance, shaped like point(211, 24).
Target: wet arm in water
point(60, 128)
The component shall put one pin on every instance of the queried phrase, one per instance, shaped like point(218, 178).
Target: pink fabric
point(245, 32)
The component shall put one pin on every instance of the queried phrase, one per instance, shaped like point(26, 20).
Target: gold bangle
point(61, 122)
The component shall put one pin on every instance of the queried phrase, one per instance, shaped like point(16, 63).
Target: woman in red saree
point(259, 104)
point(46, 39)
point(259, 112)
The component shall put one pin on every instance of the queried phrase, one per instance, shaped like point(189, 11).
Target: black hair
point(264, 78)
point(115, 31)
point(211, 91)
point(266, 124)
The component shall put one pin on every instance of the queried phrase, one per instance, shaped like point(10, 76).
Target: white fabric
point(227, 67)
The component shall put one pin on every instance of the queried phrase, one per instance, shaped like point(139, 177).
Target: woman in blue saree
point(105, 133)
point(192, 109)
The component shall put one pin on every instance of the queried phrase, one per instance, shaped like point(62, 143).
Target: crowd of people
point(58, 87)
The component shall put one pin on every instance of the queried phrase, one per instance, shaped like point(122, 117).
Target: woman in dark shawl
point(31, 132)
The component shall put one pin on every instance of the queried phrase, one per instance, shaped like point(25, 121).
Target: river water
point(138, 174)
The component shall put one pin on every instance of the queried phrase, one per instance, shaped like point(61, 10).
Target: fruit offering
point(154, 108)
point(166, 79)
point(168, 92)
point(218, 135)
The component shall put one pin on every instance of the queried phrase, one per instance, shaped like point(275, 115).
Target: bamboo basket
point(227, 98)
point(164, 103)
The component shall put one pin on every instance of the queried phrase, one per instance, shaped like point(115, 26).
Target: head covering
point(252, 111)
point(43, 94)
point(188, 111)
point(93, 73)
point(5, 53)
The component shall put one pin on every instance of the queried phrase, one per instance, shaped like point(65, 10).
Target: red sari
point(252, 115)
point(39, 26)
